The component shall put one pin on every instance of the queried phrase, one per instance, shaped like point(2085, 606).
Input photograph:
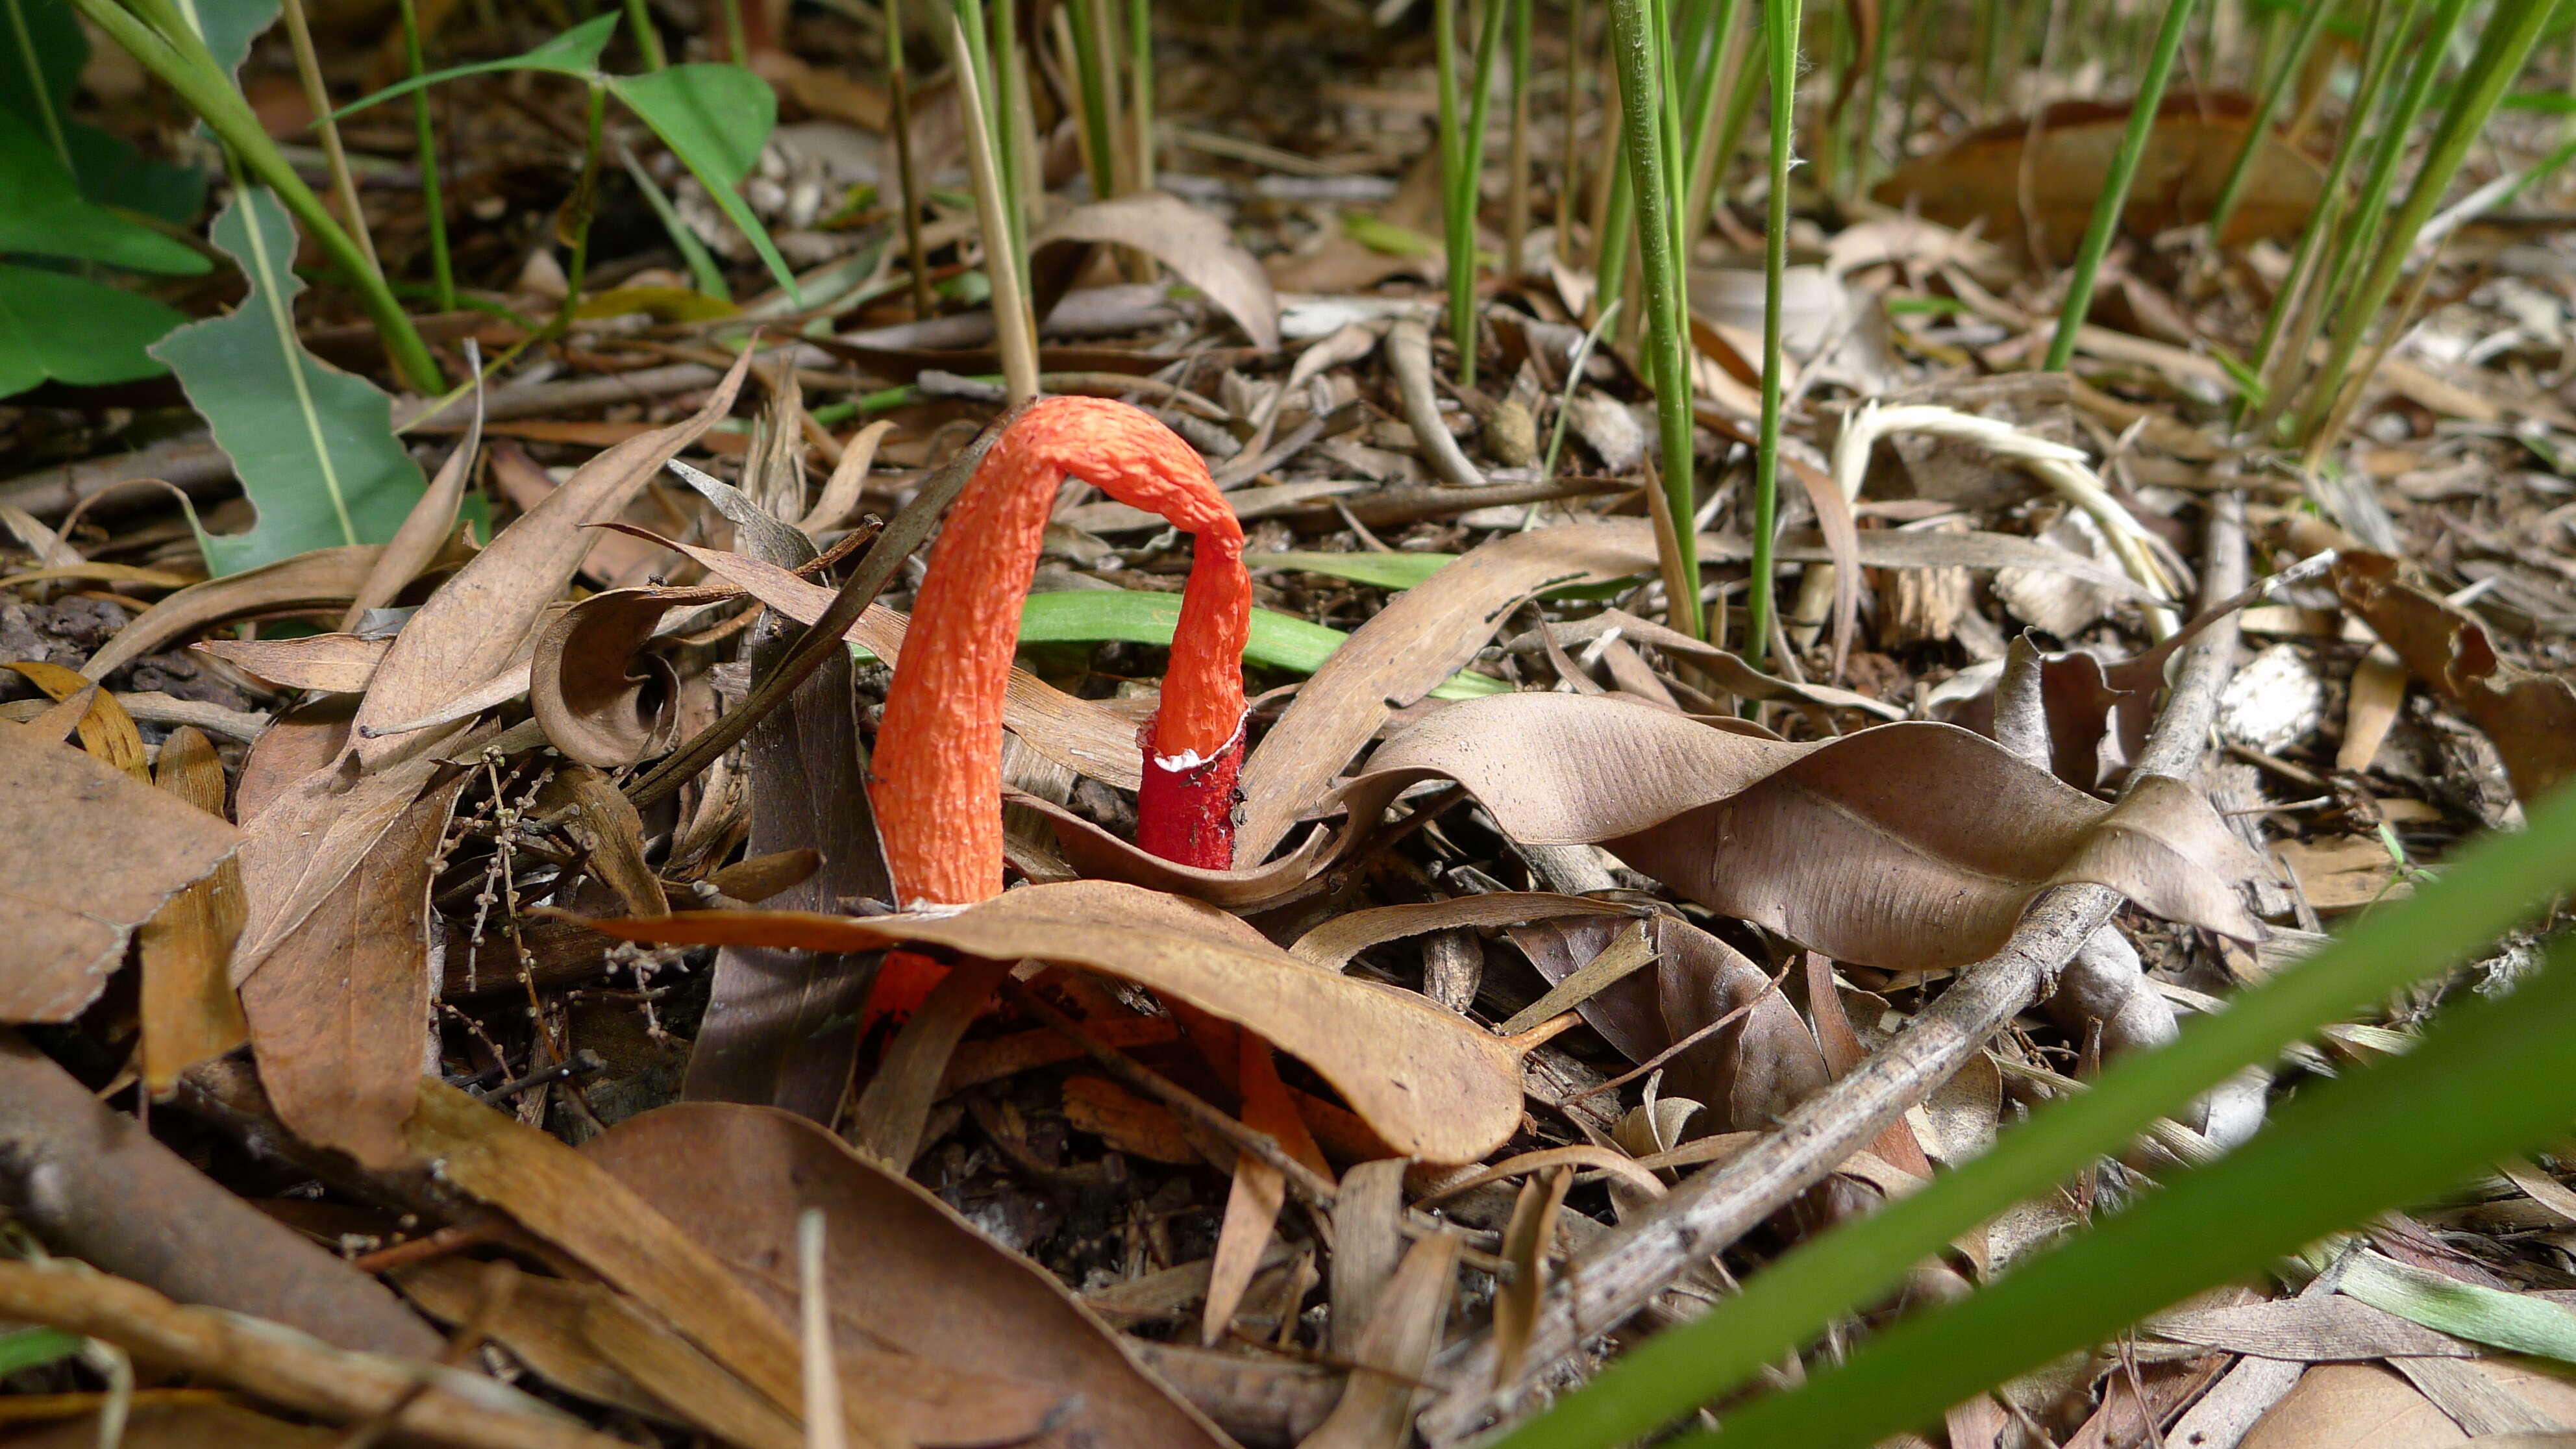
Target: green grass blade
point(2311, 25)
point(2515, 1321)
point(574, 53)
point(26, 1348)
point(715, 118)
point(1780, 36)
point(1378, 570)
point(2114, 197)
point(1097, 160)
point(425, 143)
point(313, 446)
point(702, 264)
point(2488, 1080)
point(2485, 890)
point(1636, 44)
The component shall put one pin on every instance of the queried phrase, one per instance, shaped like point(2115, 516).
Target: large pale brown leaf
point(2189, 151)
point(1910, 846)
point(2530, 716)
point(332, 663)
point(478, 620)
point(308, 580)
point(338, 1002)
point(904, 1273)
point(1430, 1084)
point(87, 853)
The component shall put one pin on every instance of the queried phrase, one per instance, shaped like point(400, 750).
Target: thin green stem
point(899, 90)
point(639, 18)
point(441, 273)
point(737, 49)
point(308, 69)
point(1457, 228)
point(572, 224)
point(2115, 188)
point(1780, 33)
point(1516, 198)
point(1470, 194)
point(1140, 70)
point(2259, 126)
point(179, 58)
point(1636, 43)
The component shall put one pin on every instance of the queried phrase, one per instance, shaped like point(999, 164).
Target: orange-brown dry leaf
point(337, 1003)
point(2194, 142)
point(188, 1008)
point(1430, 1084)
point(540, 1324)
point(107, 732)
point(87, 853)
point(477, 621)
point(1127, 1122)
point(332, 663)
point(905, 1273)
point(2530, 716)
point(1910, 846)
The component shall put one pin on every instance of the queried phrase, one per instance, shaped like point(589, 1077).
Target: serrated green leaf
point(715, 118)
point(75, 331)
point(1134, 616)
point(46, 216)
point(27, 1348)
point(574, 53)
point(313, 446)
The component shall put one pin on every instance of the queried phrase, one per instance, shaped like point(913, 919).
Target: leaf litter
point(1269, 1151)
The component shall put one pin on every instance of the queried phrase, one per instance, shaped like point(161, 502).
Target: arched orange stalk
point(937, 770)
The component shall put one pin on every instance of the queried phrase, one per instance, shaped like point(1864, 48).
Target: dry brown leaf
point(686, 1381)
point(1911, 846)
point(891, 1113)
point(1430, 1084)
point(188, 1008)
point(1726, 669)
point(87, 853)
point(324, 577)
point(605, 825)
point(185, 1426)
point(2353, 1406)
point(1336, 941)
point(337, 1002)
point(107, 732)
point(2531, 717)
point(613, 559)
point(1527, 1239)
point(540, 1324)
point(332, 663)
point(480, 618)
point(1131, 1124)
point(1376, 1411)
point(2194, 142)
point(1197, 246)
point(906, 1274)
point(2321, 1329)
point(2342, 872)
point(299, 742)
point(424, 531)
point(2378, 692)
point(1075, 733)
point(567, 1199)
point(1259, 1189)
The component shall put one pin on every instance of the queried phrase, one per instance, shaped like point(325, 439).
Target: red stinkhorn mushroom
point(937, 772)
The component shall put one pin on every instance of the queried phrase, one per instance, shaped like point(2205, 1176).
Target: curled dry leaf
point(2195, 141)
point(2530, 716)
point(1911, 846)
point(906, 1275)
point(1191, 242)
point(480, 618)
point(1430, 1084)
point(597, 694)
point(87, 853)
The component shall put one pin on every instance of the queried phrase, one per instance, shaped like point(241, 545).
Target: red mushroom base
point(1187, 814)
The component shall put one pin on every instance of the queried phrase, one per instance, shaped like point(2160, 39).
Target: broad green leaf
point(1135, 616)
point(26, 1348)
point(1379, 570)
point(314, 447)
point(2485, 890)
point(229, 26)
point(75, 331)
point(2515, 1321)
point(715, 118)
point(2490, 1079)
point(575, 53)
point(46, 216)
point(42, 50)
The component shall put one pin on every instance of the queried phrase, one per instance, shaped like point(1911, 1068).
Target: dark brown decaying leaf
point(604, 823)
point(94, 1184)
point(479, 619)
point(2531, 717)
point(87, 853)
point(906, 1274)
point(1430, 1084)
point(188, 1007)
point(1193, 243)
point(2195, 141)
point(1911, 846)
point(337, 1002)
